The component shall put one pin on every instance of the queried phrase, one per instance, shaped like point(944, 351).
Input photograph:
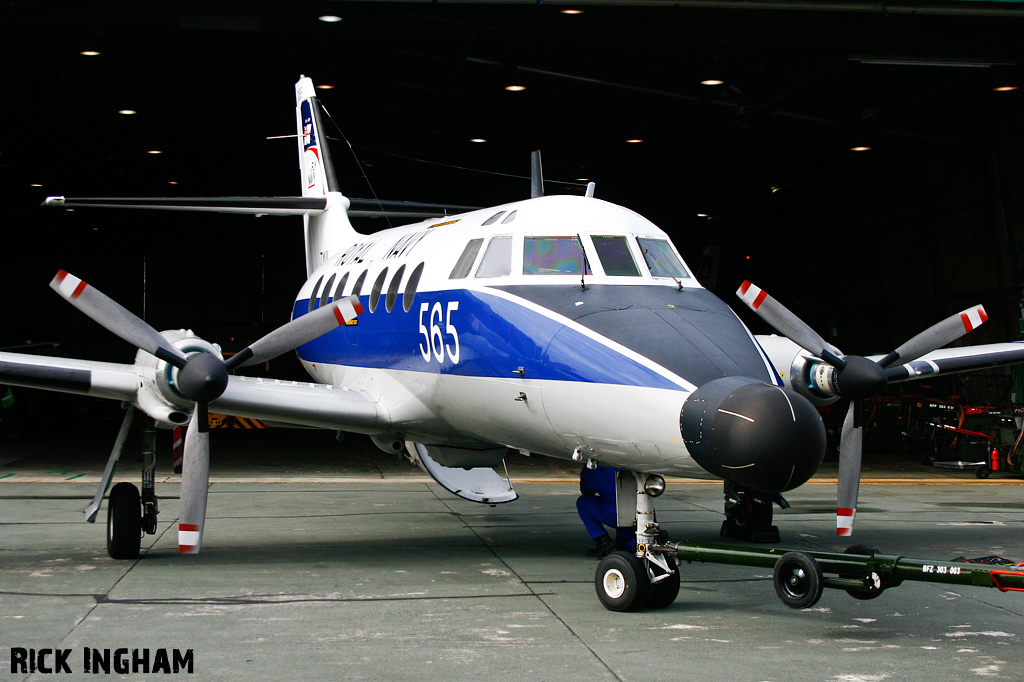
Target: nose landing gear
point(646, 578)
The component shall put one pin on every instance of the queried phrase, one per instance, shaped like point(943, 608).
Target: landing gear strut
point(648, 577)
point(748, 514)
point(129, 513)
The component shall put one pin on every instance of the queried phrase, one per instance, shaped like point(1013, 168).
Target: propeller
point(854, 377)
point(202, 378)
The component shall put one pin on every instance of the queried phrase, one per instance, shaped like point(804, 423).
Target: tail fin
point(318, 176)
point(329, 230)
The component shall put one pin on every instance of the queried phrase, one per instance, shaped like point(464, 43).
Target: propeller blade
point(297, 332)
point(850, 449)
point(788, 324)
point(115, 318)
point(937, 336)
point(195, 483)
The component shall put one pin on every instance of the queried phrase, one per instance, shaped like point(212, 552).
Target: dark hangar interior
point(863, 162)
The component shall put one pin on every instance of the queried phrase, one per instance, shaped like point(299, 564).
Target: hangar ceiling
point(869, 246)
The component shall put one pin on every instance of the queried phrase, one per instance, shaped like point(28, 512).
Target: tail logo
point(311, 153)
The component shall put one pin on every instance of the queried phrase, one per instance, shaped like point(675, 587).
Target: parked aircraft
point(560, 325)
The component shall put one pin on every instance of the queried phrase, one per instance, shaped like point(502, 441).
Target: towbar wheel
point(798, 580)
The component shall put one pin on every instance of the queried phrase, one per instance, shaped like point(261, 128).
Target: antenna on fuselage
point(536, 176)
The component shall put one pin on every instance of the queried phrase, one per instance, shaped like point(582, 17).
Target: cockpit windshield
point(554, 256)
point(661, 259)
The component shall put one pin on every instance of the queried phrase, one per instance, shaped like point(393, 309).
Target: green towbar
point(800, 576)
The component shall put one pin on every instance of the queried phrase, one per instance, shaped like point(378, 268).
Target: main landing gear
point(130, 513)
point(748, 514)
point(648, 577)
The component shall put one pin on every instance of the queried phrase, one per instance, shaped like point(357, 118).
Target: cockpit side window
point(494, 218)
point(615, 257)
point(554, 256)
point(466, 260)
point(661, 259)
point(497, 260)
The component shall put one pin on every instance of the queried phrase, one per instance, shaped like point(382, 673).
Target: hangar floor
point(328, 560)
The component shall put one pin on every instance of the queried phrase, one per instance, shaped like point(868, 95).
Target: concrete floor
point(327, 560)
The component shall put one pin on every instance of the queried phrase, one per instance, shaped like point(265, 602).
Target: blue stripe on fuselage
point(491, 335)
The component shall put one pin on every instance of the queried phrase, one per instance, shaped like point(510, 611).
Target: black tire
point(124, 522)
point(983, 472)
point(798, 580)
point(663, 593)
point(872, 581)
point(621, 581)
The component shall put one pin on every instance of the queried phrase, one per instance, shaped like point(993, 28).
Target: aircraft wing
point(285, 402)
point(964, 359)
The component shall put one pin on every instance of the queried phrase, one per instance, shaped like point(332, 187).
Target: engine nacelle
point(158, 395)
point(800, 371)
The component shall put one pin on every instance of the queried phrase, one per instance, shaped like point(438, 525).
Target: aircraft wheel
point(621, 582)
point(798, 580)
point(124, 522)
point(872, 581)
point(662, 594)
point(983, 472)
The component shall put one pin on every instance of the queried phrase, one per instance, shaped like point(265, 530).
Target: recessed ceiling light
point(330, 18)
point(860, 149)
point(1005, 88)
point(127, 112)
point(515, 88)
point(635, 140)
point(154, 151)
point(478, 140)
point(35, 184)
point(89, 53)
point(172, 182)
point(703, 215)
point(571, 11)
point(712, 81)
point(323, 86)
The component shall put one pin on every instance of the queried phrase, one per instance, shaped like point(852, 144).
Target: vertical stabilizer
point(328, 232)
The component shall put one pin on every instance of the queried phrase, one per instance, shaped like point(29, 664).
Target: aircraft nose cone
point(760, 436)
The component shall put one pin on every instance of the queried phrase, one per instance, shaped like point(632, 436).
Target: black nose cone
point(760, 436)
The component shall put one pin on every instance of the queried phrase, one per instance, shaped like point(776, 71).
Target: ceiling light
point(635, 140)
point(172, 182)
point(515, 88)
point(330, 18)
point(35, 184)
point(1005, 88)
point(860, 149)
point(89, 53)
point(127, 112)
point(571, 11)
point(703, 215)
point(323, 86)
point(478, 140)
point(712, 81)
point(154, 151)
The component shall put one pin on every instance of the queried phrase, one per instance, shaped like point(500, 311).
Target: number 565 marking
point(436, 347)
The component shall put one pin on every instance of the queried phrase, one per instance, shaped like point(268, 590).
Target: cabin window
point(661, 259)
point(497, 260)
point(341, 287)
point(554, 256)
point(357, 288)
point(396, 281)
point(615, 257)
point(313, 294)
point(466, 260)
point(509, 218)
point(375, 291)
point(325, 297)
point(410, 288)
point(494, 218)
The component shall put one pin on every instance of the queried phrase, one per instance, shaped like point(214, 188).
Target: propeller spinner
point(854, 377)
point(202, 378)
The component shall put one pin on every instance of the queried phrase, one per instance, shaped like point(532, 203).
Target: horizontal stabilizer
point(359, 208)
